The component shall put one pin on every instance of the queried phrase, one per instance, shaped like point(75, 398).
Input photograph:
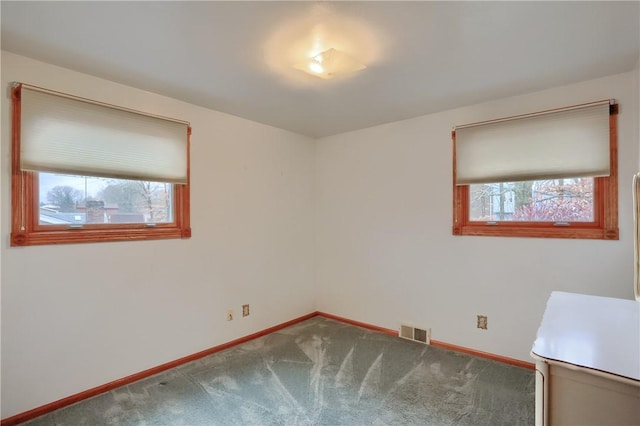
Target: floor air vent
point(422, 335)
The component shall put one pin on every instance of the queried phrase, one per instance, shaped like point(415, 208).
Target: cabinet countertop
point(599, 333)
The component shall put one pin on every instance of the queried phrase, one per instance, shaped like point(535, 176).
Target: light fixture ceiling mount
point(330, 63)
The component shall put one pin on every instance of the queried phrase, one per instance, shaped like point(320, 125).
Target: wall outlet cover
point(482, 322)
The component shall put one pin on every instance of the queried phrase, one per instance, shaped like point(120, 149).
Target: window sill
point(538, 230)
point(96, 235)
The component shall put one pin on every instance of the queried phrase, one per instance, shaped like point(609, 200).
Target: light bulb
point(329, 63)
point(316, 67)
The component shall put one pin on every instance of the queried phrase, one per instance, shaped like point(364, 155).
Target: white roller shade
point(65, 134)
point(570, 143)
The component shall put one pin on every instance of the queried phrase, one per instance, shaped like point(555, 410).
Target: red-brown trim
point(604, 227)
point(47, 408)
point(61, 403)
point(437, 343)
point(609, 192)
point(25, 228)
point(18, 182)
point(359, 324)
point(481, 354)
point(460, 193)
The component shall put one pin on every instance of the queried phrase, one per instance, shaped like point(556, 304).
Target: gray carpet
point(319, 372)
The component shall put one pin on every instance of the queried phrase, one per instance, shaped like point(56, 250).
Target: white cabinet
point(587, 354)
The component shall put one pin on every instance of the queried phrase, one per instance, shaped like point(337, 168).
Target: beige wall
point(384, 248)
point(78, 316)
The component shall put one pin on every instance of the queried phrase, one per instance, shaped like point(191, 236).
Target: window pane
point(69, 200)
point(554, 200)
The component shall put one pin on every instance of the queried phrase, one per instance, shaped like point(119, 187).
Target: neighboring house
point(50, 216)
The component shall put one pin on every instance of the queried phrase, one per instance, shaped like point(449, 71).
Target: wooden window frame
point(605, 200)
point(26, 229)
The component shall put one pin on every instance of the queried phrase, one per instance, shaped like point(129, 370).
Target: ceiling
point(421, 57)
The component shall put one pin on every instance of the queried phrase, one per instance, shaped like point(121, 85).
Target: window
point(547, 174)
point(85, 171)
point(69, 199)
point(549, 200)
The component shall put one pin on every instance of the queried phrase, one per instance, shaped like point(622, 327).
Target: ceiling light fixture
point(330, 63)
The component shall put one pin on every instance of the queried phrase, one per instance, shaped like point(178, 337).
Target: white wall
point(637, 96)
point(384, 248)
point(78, 316)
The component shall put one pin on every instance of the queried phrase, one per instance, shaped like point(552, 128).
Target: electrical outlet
point(230, 315)
point(245, 310)
point(482, 322)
